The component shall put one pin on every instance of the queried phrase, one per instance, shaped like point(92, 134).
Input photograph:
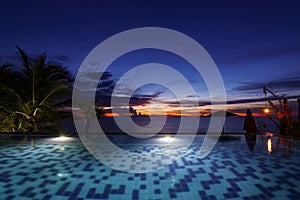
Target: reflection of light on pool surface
point(59, 147)
point(61, 174)
point(166, 139)
point(62, 139)
point(269, 145)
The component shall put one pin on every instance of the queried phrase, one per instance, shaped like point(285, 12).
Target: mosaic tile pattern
point(47, 169)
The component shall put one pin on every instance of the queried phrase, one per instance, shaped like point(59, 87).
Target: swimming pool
point(239, 167)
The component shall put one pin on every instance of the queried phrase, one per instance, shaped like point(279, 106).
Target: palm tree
point(6, 118)
point(36, 95)
point(103, 94)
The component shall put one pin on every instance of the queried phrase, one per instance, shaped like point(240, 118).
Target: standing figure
point(249, 123)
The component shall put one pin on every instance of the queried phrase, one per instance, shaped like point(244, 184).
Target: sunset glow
point(162, 109)
point(111, 115)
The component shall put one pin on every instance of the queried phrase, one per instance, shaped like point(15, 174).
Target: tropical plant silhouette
point(33, 94)
point(88, 109)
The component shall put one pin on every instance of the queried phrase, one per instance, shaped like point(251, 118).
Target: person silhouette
point(249, 123)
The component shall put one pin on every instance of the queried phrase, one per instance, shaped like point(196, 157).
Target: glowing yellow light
point(166, 139)
point(269, 145)
point(62, 138)
point(266, 110)
point(111, 114)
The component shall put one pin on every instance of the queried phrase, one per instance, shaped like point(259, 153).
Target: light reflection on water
point(269, 145)
point(254, 143)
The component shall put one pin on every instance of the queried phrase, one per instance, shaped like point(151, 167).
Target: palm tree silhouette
point(33, 97)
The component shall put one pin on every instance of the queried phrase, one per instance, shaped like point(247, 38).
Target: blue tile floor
point(47, 169)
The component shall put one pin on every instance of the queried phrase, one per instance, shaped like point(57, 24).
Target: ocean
point(232, 125)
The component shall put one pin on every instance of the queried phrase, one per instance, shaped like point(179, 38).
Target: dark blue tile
point(143, 187)
point(157, 191)
point(135, 194)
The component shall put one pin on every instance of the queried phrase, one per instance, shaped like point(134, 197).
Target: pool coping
point(75, 134)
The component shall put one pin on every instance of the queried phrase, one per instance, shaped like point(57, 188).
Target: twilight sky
point(252, 43)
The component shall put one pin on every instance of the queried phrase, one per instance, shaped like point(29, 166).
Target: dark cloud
point(287, 87)
point(254, 100)
point(103, 101)
point(135, 100)
point(193, 95)
point(154, 95)
point(282, 84)
point(183, 103)
point(140, 101)
point(122, 101)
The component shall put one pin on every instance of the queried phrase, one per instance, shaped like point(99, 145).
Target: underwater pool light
point(61, 139)
point(166, 139)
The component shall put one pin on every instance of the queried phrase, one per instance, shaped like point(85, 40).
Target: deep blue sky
point(252, 43)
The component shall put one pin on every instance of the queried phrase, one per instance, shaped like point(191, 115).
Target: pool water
point(239, 167)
